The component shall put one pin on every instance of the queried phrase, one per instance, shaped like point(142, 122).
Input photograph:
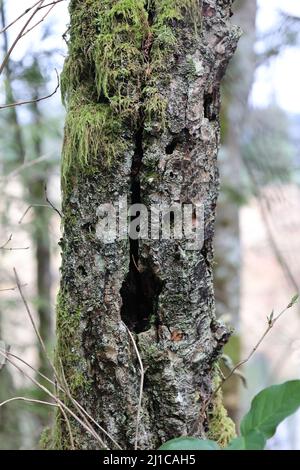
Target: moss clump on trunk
point(118, 52)
point(221, 427)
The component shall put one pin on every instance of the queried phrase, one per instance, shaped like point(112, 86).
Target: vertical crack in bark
point(141, 288)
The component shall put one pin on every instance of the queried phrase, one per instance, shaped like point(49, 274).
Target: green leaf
point(252, 441)
point(271, 406)
point(189, 443)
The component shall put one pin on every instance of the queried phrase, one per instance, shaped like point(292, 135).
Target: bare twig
point(7, 56)
point(29, 208)
point(16, 248)
point(80, 409)
point(30, 400)
point(11, 288)
point(8, 353)
point(68, 426)
point(55, 398)
point(4, 246)
point(62, 387)
point(25, 166)
point(7, 242)
point(264, 214)
point(36, 100)
point(51, 204)
point(138, 417)
point(51, 6)
point(40, 339)
point(27, 11)
point(19, 17)
point(36, 371)
point(272, 320)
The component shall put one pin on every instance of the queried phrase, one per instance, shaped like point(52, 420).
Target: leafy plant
point(189, 443)
point(268, 409)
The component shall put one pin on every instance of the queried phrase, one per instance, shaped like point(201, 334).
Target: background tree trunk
point(142, 86)
point(236, 91)
point(234, 118)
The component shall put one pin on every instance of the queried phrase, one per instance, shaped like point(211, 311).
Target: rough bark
point(162, 128)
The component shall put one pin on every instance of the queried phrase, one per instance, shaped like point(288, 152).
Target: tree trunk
point(142, 86)
point(237, 88)
point(37, 181)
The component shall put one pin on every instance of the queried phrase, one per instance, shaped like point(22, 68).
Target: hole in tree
point(209, 104)
point(172, 146)
point(140, 293)
point(82, 270)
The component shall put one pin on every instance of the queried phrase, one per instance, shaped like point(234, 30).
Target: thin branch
point(67, 391)
point(24, 166)
point(37, 100)
point(68, 426)
point(11, 288)
point(7, 56)
point(26, 12)
point(16, 248)
point(30, 400)
point(86, 425)
point(51, 6)
point(29, 208)
point(138, 416)
point(7, 242)
point(56, 399)
point(271, 322)
point(135, 265)
point(36, 371)
point(51, 204)
point(263, 211)
point(40, 339)
point(4, 246)
point(19, 17)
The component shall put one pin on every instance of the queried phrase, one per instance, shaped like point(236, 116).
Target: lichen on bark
point(152, 139)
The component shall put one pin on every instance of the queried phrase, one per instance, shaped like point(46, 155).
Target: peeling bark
point(161, 290)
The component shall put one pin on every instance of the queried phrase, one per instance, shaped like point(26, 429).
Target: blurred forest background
point(257, 265)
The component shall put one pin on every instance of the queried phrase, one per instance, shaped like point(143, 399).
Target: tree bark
point(142, 86)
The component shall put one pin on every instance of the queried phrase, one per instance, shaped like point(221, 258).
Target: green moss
point(46, 442)
point(68, 353)
point(117, 59)
point(221, 427)
point(118, 53)
point(83, 31)
point(69, 344)
point(91, 130)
